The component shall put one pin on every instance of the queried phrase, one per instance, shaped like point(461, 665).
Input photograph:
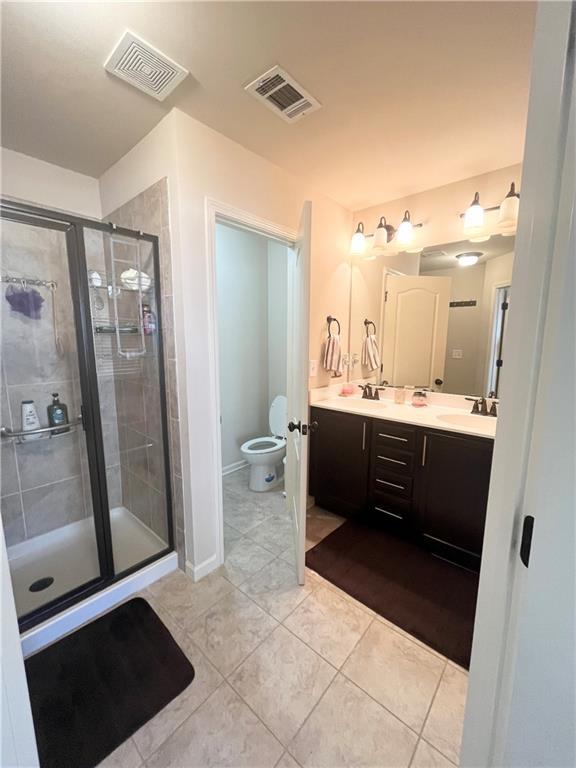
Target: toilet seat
point(263, 445)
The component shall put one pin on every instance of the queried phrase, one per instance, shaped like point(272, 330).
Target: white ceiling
point(415, 94)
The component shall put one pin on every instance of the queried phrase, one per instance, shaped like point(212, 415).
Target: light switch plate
point(312, 368)
point(457, 354)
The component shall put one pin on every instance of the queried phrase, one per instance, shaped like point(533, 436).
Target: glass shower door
point(125, 313)
point(55, 545)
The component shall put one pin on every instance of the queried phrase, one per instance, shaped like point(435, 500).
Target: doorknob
point(303, 428)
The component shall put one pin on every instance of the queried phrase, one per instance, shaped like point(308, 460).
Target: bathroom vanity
point(423, 472)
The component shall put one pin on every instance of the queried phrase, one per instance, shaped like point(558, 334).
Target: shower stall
point(84, 484)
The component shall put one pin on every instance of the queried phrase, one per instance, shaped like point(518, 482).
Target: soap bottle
point(148, 320)
point(30, 419)
point(57, 414)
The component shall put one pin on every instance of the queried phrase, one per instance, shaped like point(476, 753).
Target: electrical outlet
point(312, 368)
point(457, 354)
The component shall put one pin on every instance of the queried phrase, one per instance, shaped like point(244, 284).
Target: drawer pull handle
point(394, 485)
point(424, 446)
point(392, 514)
point(393, 437)
point(395, 461)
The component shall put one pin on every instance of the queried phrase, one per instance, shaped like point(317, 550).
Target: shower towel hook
point(331, 320)
point(367, 324)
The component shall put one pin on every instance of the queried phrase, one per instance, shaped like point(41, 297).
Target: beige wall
point(438, 209)
point(201, 164)
point(34, 181)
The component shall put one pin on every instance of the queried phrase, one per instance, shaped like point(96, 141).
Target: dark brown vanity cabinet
point(339, 461)
point(452, 493)
point(429, 484)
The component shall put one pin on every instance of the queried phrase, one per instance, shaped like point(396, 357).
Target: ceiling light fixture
point(469, 258)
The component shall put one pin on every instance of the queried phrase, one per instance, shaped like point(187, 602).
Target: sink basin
point(485, 424)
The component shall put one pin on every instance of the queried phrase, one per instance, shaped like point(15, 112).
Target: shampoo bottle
point(30, 419)
point(57, 414)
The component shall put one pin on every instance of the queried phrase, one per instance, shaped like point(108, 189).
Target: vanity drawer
point(390, 509)
point(390, 433)
point(388, 458)
point(392, 485)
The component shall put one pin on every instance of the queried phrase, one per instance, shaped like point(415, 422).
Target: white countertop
point(442, 417)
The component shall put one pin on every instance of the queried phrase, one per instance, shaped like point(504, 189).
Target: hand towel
point(370, 353)
point(333, 355)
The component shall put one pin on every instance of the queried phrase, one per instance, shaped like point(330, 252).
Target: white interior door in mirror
point(415, 329)
point(297, 443)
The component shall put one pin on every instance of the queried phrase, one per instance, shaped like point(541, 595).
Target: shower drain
point(40, 584)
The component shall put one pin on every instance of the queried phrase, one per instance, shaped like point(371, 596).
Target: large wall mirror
point(438, 317)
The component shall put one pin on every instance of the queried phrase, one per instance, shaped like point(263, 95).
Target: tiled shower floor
point(69, 556)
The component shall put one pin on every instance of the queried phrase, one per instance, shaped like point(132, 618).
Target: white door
point(415, 329)
point(297, 447)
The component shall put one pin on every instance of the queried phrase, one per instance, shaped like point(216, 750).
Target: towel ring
point(331, 320)
point(367, 324)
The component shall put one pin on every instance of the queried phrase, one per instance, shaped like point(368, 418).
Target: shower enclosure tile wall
point(42, 482)
point(138, 398)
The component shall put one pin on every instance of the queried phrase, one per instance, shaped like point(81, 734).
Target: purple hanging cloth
point(27, 301)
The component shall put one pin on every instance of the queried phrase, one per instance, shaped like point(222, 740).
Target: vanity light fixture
point(469, 258)
point(474, 221)
point(382, 238)
point(509, 207)
point(405, 232)
point(384, 233)
point(358, 242)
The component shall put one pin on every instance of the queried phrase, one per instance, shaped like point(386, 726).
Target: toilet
point(265, 454)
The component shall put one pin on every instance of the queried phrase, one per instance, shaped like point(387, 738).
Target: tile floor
point(290, 676)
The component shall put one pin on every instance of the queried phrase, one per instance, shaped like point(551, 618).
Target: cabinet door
point(339, 461)
point(454, 480)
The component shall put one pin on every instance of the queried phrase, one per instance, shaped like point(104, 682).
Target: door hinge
point(504, 306)
point(385, 295)
point(498, 363)
point(526, 541)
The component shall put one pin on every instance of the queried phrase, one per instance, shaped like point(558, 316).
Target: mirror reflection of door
point(416, 328)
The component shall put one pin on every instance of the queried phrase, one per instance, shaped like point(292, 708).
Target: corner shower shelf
point(6, 432)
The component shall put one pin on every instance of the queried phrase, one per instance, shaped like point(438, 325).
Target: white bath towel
point(333, 355)
point(370, 352)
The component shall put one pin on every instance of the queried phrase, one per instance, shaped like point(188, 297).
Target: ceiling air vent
point(145, 67)
point(283, 95)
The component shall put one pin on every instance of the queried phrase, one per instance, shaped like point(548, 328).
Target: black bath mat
point(94, 688)
point(431, 599)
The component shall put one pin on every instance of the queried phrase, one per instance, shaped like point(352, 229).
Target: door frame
point(217, 211)
point(501, 576)
point(73, 228)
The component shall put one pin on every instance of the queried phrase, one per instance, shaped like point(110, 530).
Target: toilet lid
point(278, 416)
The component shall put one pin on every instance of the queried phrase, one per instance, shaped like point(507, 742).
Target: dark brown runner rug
point(429, 598)
point(94, 688)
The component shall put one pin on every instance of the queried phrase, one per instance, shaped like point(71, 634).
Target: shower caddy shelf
point(18, 434)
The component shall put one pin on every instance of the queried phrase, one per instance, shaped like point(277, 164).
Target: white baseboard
point(63, 623)
point(234, 467)
point(198, 572)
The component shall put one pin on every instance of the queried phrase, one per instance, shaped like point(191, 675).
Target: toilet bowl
point(265, 454)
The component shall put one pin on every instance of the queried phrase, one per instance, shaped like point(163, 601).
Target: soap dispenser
point(57, 414)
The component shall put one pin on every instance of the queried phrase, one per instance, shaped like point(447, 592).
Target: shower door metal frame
point(73, 228)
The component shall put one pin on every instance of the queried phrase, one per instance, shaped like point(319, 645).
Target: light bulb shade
point(509, 207)
point(474, 216)
point(358, 242)
point(405, 232)
point(468, 259)
point(381, 234)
